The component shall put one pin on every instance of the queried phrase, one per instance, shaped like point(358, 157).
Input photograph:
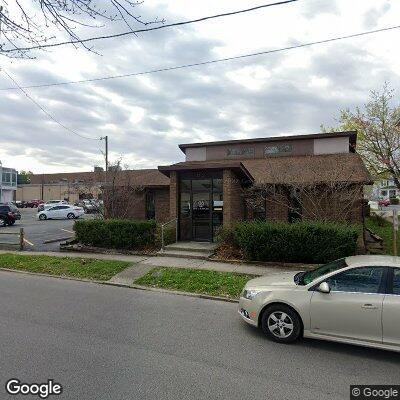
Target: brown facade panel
point(277, 209)
point(233, 198)
point(258, 150)
point(173, 195)
point(162, 200)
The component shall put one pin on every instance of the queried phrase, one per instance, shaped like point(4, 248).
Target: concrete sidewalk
point(143, 264)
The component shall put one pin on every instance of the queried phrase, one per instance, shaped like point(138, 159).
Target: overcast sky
point(147, 117)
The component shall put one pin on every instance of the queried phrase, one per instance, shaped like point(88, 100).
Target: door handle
point(369, 306)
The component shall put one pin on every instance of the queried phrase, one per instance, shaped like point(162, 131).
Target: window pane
point(185, 204)
point(201, 185)
point(217, 186)
point(396, 281)
point(363, 280)
point(323, 270)
point(185, 185)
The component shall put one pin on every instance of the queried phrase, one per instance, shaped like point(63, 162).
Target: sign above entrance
point(240, 152)
point(278, 149)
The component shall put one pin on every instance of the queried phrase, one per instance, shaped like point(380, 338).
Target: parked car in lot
point(20, 204)
point(33, 203)
point(383, 202)
point(8, 214)
point(89, 205)
point(61, 211)
point(353, 300)
point(51, 203)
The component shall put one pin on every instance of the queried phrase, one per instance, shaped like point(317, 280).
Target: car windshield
point(310, 276)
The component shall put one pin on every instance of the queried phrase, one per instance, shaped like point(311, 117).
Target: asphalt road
point(103, 342)
point(37, 232)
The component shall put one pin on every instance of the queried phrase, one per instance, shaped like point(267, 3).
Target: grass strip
point(223, 284)
point(384, 229)
point(84, 268)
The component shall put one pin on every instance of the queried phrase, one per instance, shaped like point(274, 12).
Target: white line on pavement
point(66, 230)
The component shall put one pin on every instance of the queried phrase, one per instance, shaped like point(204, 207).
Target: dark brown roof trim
point(237, 167)
point(351, 134)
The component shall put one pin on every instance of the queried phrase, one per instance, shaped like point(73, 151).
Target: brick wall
point(277, 208)
point(233, 198)
point(126, 204)
point(334, 207)
point(173, 195)
point(162, 200)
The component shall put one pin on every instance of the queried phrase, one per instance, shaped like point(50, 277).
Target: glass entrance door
point(200, 205)
point(201, 217)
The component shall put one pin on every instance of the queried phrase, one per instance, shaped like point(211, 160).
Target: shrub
point(306, 241)
point(225, 235)
point(116, 233)
point(169, 235)
point(394, 200)
point(379, 220)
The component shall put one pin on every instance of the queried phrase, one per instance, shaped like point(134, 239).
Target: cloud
point(147, 117)
point(314, 8)
point(373, 15)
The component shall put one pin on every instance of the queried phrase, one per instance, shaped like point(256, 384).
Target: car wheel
point(71, 216)
point(281, 323)
point(3, 222)
point(42, 217)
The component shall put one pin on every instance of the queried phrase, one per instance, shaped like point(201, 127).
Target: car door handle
point(369, 306)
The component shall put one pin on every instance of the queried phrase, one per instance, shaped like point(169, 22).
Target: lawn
point(224, 284)
point(384, 229)
point(84, 268)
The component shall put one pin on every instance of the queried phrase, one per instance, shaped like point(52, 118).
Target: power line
point(206, 62)
point(44, 110)
point(117, 35)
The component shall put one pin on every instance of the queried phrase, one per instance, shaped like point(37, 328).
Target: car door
point(353, 308)
point(63, 211)
point(52, 212)
point(391, 310)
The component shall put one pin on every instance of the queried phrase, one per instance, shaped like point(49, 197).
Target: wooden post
point(395, 229)
point(21, 239)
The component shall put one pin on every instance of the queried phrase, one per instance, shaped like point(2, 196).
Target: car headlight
point(249, 294)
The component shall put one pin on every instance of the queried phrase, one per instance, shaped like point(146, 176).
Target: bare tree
point(120, 193)
point(25, 24)
point(322, 192)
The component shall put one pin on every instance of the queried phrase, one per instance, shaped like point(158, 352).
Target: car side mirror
point(324, 287)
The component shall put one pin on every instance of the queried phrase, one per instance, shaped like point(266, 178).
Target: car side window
point(359, 280)
point(54, 208)
point(396, 281)
point(63, 207)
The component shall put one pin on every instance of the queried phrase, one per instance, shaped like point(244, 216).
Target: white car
point(51, 203)
point(353, 300)
point(62, 211)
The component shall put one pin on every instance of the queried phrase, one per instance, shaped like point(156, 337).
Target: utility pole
point(105, 175)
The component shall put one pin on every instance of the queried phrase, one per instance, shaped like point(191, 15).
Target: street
point(102, 342)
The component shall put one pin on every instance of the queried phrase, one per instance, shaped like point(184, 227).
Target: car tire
point(3, 222)
point(42, 217)
point(281, 323)
point(70, 215)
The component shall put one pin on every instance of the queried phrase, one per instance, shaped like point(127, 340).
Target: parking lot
point(37, 233)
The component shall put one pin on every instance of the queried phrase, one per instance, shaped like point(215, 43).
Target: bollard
point(21, 239)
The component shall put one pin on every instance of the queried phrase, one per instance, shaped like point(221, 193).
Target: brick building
point(217, 181)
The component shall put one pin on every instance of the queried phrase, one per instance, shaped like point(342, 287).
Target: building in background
point(214, 184)
point(385, 189)
point(8, 184)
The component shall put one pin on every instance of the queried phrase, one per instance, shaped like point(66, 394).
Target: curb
point(122, 285)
